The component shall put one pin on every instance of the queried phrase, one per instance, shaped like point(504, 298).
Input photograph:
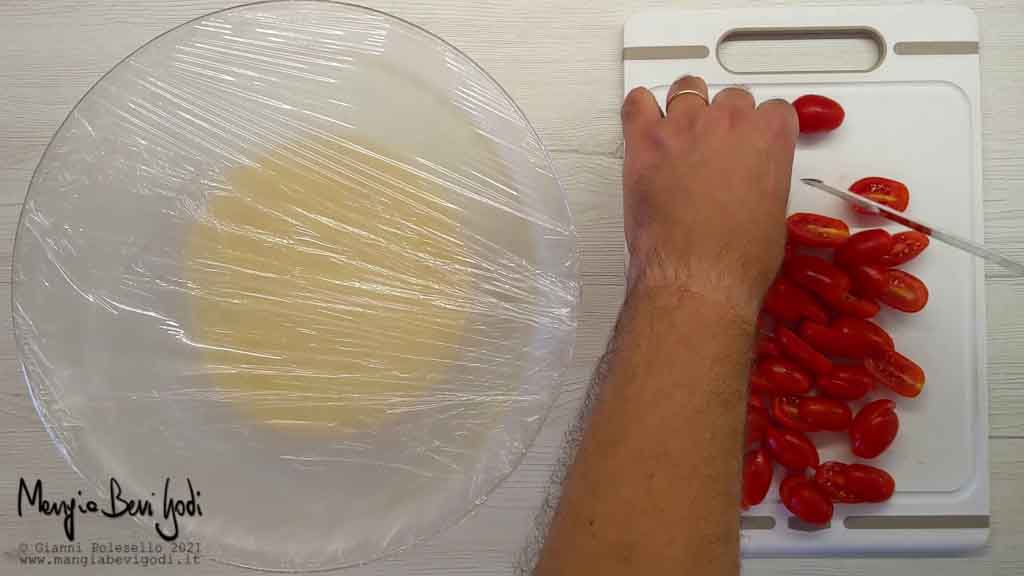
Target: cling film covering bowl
point(309, 258)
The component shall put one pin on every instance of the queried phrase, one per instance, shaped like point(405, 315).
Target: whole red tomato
point(904, 292)
point(866, 247)
point(885, 191)
point(792, 449)
point(783, 376)
point(874, 428)
point(767, 345)
point(801, 352)
point(831, 341)
point(757, 424)
point(811, 414)
point(816, 274)
point(847, 304)
point(805, 500)
point(901, 374)
point(875, 336)
point(818, 113)
point(854, 483)
point(868, 281)
point(905, 247)
point(787, 301)
point(846, 383)
point(757, 477)
point(816, 230)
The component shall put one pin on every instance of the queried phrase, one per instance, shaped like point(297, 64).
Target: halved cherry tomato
point(818, 113)
point(901, 374)
point(816, 230)
point(806, 500)
point(846, 383)
point(816, 274)
point(874, 428)
point(790, 448)
point(757, 424)
point(831, 341)
point(905, 247)
point(783, 376)
point(811, 414)
point(904, 291)
point(866, 247)
point(767, 345)
point(847, 304)
point(866, 330)
point(885, 191)
point(854, 483)
point(787, 301)
point(868, 281)
point(757, 477)
point(801, 352)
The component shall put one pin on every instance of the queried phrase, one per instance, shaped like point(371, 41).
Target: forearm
point(655, 486)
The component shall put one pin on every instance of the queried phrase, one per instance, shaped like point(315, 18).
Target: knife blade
point(916, 224)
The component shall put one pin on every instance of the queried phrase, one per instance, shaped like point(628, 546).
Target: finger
point(684, 109)
point(780, 115)
point(734, 97)
point(779, 119)
point(640, 113)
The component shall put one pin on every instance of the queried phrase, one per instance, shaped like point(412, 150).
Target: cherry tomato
point(831, 341)
point(757, 400)
point(833, 479)
point(816, 230)
point(874, 428)
point(904, 291)
point(866, 247)
point(873, 334)
point(806, 500)
point(905, 247)
point(790, 448)
point(846, 383)
point(801, 352)
point(783, 376)
point(868, 281)
point(789, 302)
point(757, 424)
point(811, 414)
point(850, 305)
point(854, 482)
point(816, 274)
point(818, 113)
point(759, 384)
point(896, 371)
point(885, 191)
point(757, 477)
point(767, 345)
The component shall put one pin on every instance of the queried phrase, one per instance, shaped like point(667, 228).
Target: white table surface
point(560, 59)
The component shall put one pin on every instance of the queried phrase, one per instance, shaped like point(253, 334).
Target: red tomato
point(874, 428)
point(757, 477)
point(816, 230)
point(897, 372)
point(801, 352)
point(811, 414)
point(846, 383)
point(757, 424)
point(783, 377)
point(868, 281)
point(867, 247)
point(759, 384)
point(789, 302)
point(790, 448)
point(904, 292)
point(806, 500)
point(847, 304)
point(830, 341)
point(870, 332)
point(758, 400)
point(854, 482)
point(905, 247)
point(891, 193)
point(767, 345)
point(818, 113)
point(833, 479)
point(816, 274)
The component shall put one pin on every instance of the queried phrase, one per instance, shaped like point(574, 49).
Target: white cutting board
point(915, 117)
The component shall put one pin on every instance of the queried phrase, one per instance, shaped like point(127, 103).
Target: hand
point(705, 191)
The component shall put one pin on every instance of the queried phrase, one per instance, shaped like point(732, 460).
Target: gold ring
point(682, 92)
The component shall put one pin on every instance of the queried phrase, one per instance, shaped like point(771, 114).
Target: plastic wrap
point(308, 257)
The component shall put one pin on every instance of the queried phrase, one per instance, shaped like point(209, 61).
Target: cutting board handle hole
point(800, 50)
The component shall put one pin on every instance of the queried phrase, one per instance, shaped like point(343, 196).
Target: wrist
point(727, 308)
